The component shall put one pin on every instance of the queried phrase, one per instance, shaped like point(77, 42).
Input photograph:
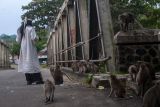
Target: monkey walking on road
point(49, 89)
point(57, 75)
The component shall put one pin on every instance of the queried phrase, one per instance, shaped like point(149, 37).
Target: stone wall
point(4, 56)
point(132, 47)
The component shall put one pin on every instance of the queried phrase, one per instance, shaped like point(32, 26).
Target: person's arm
point(34, 36)
point(19, 36)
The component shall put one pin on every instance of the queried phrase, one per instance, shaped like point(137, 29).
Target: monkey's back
point(152, 97)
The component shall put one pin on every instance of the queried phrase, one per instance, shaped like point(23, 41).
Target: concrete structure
point(83, 30)
point(4, 56)
point(137, 45)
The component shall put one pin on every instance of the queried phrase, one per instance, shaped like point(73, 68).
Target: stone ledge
point(103, 80)
point(132, 38)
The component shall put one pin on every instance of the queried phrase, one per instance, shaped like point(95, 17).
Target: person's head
point(28, 22)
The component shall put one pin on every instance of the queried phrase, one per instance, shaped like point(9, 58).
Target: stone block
point(100, 81)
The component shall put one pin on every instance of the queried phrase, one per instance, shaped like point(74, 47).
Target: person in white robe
point(28, 59)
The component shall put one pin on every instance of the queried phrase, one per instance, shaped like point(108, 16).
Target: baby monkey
point(49, 89)
point(133, 70)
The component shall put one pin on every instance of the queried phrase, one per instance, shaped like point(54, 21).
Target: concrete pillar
point(0, 54)
point(84, 25)
point(5, 56)
point(60, 38)
point(72, 26)
point(103, 9)
point(51, 45)
point(56, 43)
point(65, 41)
point(54, 47)
point(8, 63)
point(50, 51)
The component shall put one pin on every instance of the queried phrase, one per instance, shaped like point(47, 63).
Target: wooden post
point(104, 14)
point(72, 26)
point(84, 25)
point(65, 40)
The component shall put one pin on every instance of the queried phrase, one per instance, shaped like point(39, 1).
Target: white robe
point(28, 59)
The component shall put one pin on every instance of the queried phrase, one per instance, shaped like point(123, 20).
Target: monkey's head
point(143, 65)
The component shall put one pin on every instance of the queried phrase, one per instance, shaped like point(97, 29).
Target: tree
point(14, 50)
point(43, 13)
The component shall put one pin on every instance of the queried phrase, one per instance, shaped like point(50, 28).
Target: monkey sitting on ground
point(82, 67)
point(152, 96)
point(91, 67)
point(116, 87)
point(133, 70)
point(125, 19)
point(151, 69)
point(75, 66)
point(49, 89)
point(143, 79)
point(57, 75)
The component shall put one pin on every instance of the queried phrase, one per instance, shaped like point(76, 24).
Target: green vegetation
point(146, 11)
point(88, 78)
point(43, 13)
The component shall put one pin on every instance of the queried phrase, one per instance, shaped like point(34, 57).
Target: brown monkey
point(52, 68)
point(75, 66)
point(125, 19)
point(91, 67)
point(57, 75)
point(133, 70)
point(151, 69)
point(143, 79)
point(116, 87)
point(82, 67)
point(49, 88)
point(152, 96)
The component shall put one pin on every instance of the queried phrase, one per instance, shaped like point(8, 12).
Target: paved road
point(15, 93)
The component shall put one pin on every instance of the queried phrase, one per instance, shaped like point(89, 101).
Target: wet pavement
point(15, 93)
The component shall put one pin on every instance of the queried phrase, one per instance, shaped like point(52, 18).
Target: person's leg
point(28, 78)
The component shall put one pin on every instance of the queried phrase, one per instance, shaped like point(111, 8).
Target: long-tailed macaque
point(151, 69)
point(125, 19)
point(152, 96)
point(91, 67)
point(82, 67)
point(133, 70)
point(49, 89)
point(143, 79)
point(57, 75)
point(116, 87)
point(75, 66)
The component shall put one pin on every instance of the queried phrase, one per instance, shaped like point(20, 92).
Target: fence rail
point(82, 30)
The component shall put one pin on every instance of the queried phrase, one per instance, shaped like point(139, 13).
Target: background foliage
point(43, 13)
point(147, 12)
